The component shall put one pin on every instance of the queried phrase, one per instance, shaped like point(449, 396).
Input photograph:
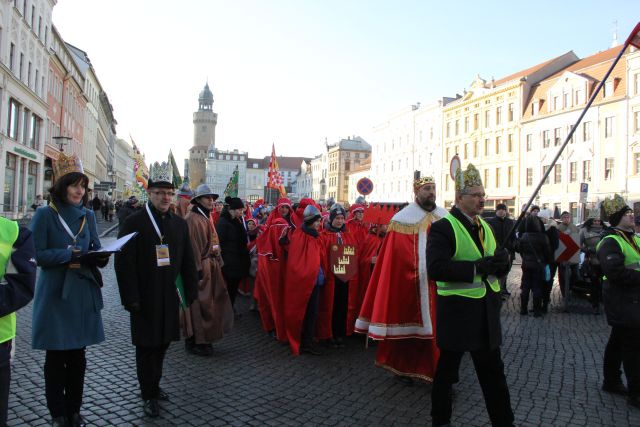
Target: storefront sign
point(25, 153)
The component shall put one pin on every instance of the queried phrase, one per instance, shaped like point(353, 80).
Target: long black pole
point(563, 146)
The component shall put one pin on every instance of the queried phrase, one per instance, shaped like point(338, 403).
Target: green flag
point(177, 179)
point(232, 186)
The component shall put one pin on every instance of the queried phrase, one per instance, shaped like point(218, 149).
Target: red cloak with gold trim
point(399, 305)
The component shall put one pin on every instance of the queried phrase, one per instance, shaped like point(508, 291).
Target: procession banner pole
point(634, 39)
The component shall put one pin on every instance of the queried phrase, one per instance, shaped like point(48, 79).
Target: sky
point(295, 73)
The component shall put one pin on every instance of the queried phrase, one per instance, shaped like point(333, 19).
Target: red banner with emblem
point(343, 261)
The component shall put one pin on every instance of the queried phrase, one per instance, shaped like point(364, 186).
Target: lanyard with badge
point(162, 250)
point(74, 237)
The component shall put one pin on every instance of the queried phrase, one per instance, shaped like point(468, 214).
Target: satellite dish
point(454, 166)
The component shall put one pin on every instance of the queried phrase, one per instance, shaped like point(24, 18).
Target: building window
point(510, 143)
point(557, 174)
point(466, 124)
point(32, 177)
point(586, 171)
point(529, 177)
point(556, 137)
point(498, 141)
point(544, 171)
point(347, 165)
point(510, 176)
point(529, 142)
point(586, 131)
point(497, 177)
point(511, 112)
point(546, 138)
point(20, 71)
point(26, 115)
point(573, 171)
point(608, 89)
point(486, 178)
point(475, 148)
point(448, 129)
point(608, 127)
point(457, 127)
point(573, 208)
point(9, 181)
point(466, 151)
point(476, 119)
point(577, 97)
point(636, 162)
point(608, 169)
point(534, 108)
point(499, 115)
point(14, 119)
point(487, 116)
point(486, 147)
point(447, 157)
point(636, 121)
point(12, 52)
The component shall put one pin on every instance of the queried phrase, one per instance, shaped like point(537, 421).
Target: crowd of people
point(425, 284)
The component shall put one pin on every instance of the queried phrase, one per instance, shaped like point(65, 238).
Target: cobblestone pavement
point(553, 367)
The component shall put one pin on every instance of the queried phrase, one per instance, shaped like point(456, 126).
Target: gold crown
point(417, 183)
point(612, 206)
point(468, 178)
point(67, 164)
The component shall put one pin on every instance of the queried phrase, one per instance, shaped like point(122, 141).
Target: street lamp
point(61, 141)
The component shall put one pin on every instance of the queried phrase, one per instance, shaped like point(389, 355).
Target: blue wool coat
point(67, 303)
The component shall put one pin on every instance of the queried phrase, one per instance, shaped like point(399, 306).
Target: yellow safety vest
point(8, 236)
point(631, 256)
point(466, 250)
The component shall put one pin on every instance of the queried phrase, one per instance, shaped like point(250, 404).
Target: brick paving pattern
point(553, 367)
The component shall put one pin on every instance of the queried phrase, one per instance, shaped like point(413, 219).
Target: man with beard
point(399, 306)
point(210, 316)
point(464, 261)
point(502, 224)
point(146, 270)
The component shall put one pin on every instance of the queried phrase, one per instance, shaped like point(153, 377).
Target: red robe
point(269, 278)
point(399, 306)
point(303, 264)
point(330, 238)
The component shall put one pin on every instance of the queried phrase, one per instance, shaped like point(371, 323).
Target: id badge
point(75, 250)
point(162, 255)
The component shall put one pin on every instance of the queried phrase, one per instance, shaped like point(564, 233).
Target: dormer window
point(535, 107)
point(608, 89)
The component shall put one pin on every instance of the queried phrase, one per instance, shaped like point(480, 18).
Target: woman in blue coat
point(68, 300)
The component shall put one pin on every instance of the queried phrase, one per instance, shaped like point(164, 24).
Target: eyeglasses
point(164, 193)
point(476, 195)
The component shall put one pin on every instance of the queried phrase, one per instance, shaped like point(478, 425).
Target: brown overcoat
point(211, 314)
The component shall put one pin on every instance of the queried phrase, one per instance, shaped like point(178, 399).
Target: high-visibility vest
point(466, 250)
point(8, 235)
point(631, 256)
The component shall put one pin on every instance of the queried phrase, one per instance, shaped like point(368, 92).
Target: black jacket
point(621, 290)
point(141, 281)
point(501, 226)
point(462, 324)
point(123, 213)
point(233, 246)
point(20, 274)
point(535, 249)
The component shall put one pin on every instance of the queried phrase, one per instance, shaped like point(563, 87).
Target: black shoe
point(203, 350)
point(312, 349)
point(634, 401)
point(151, 408)
point(163, 396)
point(339, 342)
point(77, 421)
point(60, 422)
point(615, 388)
point(408, 381)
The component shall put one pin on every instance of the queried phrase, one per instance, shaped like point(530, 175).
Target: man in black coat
point(129, 207)
point(147, 269)
point(233, 245)
point(502, 224)
point(619, 256)
point(468, 301)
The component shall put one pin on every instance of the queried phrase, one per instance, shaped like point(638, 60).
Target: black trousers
point(490, 372)
point(5, 380)
point(595, 273)
point(64, 381)
point(149, 361)
point(340, 306)
point(623, 347)
point(232, 288)
point(310, 316)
